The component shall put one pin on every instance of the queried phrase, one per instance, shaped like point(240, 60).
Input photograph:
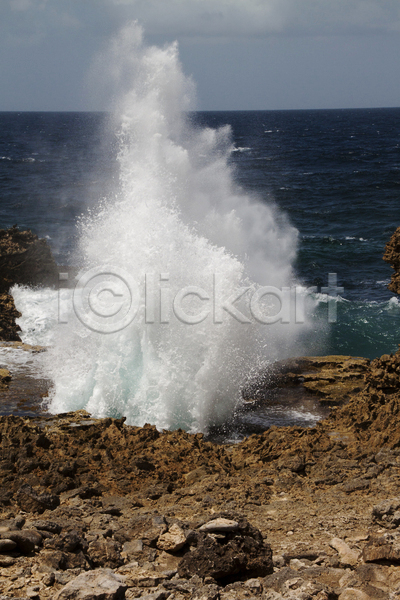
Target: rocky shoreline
point(94, 509)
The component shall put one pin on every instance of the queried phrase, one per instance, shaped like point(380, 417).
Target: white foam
point(393, 304)
point(319, 297)
point(40, 312)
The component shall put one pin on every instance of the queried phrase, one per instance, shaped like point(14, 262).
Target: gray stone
point(220, 525)
point(101, 584)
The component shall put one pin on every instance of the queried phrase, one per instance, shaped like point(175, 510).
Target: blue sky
point(242, 54)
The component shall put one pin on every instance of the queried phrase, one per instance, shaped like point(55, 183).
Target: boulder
point(239, 553)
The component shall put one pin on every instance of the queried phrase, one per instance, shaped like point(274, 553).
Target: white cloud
point(201, 18)
point(259, 17)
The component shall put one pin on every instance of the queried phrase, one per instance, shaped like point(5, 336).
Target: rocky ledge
point(332, 379)
point(97, 510)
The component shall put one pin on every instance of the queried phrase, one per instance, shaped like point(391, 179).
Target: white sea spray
point(177, 221)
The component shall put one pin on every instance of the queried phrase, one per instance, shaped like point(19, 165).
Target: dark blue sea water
point(335, 173)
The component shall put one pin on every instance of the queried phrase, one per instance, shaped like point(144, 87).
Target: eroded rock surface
point(332, 379)
point(178, 516)
point(392, 256)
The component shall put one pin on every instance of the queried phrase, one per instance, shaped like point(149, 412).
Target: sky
point(242, 54)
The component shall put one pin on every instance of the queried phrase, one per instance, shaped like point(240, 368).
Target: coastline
point(86, 498)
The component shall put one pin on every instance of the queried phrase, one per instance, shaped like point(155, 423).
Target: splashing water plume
point(177, 220)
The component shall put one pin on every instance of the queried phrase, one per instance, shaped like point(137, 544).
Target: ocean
point(335, 173)
point(329, 179)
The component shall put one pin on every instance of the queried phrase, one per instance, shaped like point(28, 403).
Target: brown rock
point(25, 259)
point(47, 526)
point(6, 561)
point(387, 512)
point(26, 539)
point(137, 576)
point(392, 256)
point(5, 377)
point(354, 594)
point(7, 545)
point(333, 379)
point(8, 313)
point(385, 548)
point(173, 540)
point(105, 553)
point(132, 548)
point(377, 575)
point(53, 559)
point(29, 501)
point(348, 557)
point(354, 485)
